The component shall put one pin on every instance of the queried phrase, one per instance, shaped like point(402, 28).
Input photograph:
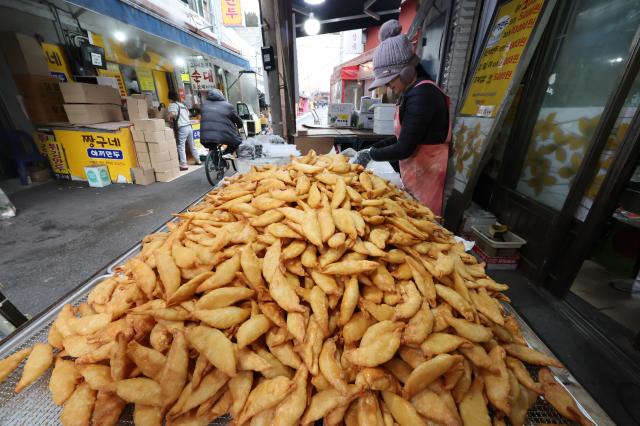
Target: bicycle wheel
point(222, 166)
point(211, 167)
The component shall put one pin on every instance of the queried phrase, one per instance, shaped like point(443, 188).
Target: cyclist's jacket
point(219, 122)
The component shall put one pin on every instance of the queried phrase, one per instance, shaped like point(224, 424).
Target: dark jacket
point(219, 121)
point(424, 118)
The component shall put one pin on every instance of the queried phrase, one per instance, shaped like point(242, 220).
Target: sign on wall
point(145, 78)
point(512, 28)
point(202, 74)
point(515, 32)
point(231, 13)
point(56, 62)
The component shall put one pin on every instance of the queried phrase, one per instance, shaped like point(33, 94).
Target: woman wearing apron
point(422, 126)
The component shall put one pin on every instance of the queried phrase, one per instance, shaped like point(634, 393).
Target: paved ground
point(307, 118)
point(65, 231)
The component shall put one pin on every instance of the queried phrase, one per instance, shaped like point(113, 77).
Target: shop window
point(616, 137)
point(593, 49)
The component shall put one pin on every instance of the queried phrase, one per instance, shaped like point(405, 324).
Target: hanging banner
point(145, 78)
point(56, 62)
point(231, 13)
point(202, 74)
point(513, 25)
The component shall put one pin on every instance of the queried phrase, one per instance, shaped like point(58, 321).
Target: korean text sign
point(202, 74)
point(512, 27)
point(56, 61)
point(92, 148)
point(231, 13)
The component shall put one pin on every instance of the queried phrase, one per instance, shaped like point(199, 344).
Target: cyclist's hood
point(215, 95)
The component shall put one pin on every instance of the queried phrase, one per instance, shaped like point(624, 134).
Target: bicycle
point(215, 165)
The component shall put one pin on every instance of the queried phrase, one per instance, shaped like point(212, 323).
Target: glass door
point(584, 72)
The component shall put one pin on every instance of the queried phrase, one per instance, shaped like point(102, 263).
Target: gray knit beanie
point(392, 55)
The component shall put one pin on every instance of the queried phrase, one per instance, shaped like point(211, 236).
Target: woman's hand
point(362, 157)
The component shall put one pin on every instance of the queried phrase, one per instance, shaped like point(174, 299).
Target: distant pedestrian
point(179, 116)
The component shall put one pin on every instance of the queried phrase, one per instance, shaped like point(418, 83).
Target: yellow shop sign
point(92, 148)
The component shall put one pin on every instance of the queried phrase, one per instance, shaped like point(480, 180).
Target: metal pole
point(269, 29)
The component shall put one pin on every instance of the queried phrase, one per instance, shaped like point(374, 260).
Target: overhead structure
point(340, 15)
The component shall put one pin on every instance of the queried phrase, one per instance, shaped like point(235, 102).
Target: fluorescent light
point(199, 57)
point(314, 2)
point(311, 25)
point(120, 36)
point(179, 62)
point(616, 60)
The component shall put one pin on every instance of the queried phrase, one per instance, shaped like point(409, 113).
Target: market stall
point(381, 368)
point(323, 139)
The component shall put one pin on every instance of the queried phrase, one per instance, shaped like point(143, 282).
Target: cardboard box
point(159, 157)
point(85, 93)
point(42, 87)
point(173, 153)
point(23, 54)
point(163, 166)
point(169, 135)
point(144, 97)
point(158, 147)
point(145, 165)
point(142, 176)
point(93, 113)
point(97, 176)
point(108, 81)
point(137, 135)
point(149, 124)
point(141, 147)
point(42, 112)
point(320, 144)
point(143, 157)
point(167, 176)
point(137, 109)
point(155, 136)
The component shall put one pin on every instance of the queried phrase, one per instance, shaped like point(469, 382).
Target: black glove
point(362, 157)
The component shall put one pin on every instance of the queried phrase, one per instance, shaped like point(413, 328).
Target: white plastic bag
point(7, 209)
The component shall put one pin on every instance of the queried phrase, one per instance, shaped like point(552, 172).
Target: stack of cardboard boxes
point(137, 108)
point(91, 103)
point(156, 150)
point(40, 92)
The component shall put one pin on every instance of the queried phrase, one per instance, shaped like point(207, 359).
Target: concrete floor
point(66, 231)
point(593, 285)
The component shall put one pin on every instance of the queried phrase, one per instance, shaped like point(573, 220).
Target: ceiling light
point(314, 2)
point(199, 57)
point(120, 36)
point(311, 25)
point(179, 62)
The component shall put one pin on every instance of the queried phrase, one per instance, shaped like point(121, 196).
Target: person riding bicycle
point(219, 123)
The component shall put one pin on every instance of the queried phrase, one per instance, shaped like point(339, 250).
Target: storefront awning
point(143, 20)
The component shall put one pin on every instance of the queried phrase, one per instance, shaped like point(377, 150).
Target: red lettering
point(519, 42)
point(513, 59)
point(503, 75)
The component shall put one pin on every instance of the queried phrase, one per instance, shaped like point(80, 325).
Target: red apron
point(424, 174)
